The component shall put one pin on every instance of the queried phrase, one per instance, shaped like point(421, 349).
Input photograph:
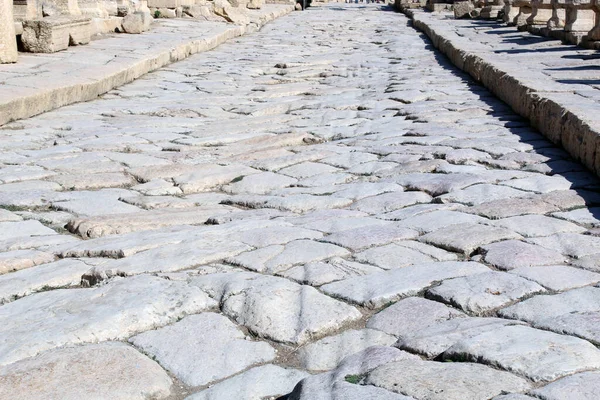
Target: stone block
point(137, 22)
point(26, 9)
point(8, 42)
point(462, 9)
point(53, 34)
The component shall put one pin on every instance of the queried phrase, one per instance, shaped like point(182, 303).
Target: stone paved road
point(323, 210)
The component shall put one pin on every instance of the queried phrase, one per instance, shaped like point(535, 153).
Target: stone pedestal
point(524, 12)
point(557, 21)
point(53, 34)
point(8, 39)
point(594, 34)
point(541, 13)
point(510, 12)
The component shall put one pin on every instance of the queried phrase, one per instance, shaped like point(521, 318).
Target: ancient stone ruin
point(48, 26)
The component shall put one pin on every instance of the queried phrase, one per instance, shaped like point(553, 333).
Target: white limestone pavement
point(342, 217)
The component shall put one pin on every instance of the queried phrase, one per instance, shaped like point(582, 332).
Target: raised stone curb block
point(33, 102)
point(572, 124)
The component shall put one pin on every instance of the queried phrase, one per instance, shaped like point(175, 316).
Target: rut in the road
point(327, 189)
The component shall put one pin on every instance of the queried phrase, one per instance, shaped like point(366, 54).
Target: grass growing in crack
point(237, 179)
point(354, 379)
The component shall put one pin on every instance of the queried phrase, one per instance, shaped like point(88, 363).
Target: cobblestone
point(325, 195)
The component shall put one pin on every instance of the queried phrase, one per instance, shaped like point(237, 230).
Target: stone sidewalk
point(555, 86)
point(43, 82)
point(324, 210)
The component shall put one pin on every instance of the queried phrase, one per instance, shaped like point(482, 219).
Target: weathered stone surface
point(73, 316)
point(558, 277)
point(278, 258)
point(570, 244)
point(62, 273)
point(402, 254)
point(444, 381)
point(21, 259)
point(479, 294)
point(116, 370)
point(540, 184)
point(436, 338)
point(360, 238)
point(504, 208)
point(22, 229)
point(584, 216)
point(390, 202)
point(137, 22)
point(584, 386)
point(276, 308)
point(575, 312)
point(466, 238)
point(538, 225)
point(267, 381)
point(410, 315)
point(511, 254)
point(208, 176)
point(548, 356)
point(322, 272)
point(478, 194)
point(336, 385)
point(262, 183)
point(325, 354)
point(375, 290)
point(8, 42)
point(432, 221)
point(213, 338)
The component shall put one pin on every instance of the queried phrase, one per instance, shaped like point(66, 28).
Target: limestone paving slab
point(117, 370)
point(74, 316)
point(536, 354)
point(444, 381)
point(582, 386)
point(209, 337)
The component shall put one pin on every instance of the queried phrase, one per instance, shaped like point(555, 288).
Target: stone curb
point(43, 100)
point(568, 120)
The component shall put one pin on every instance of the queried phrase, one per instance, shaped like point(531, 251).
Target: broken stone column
point(54, 8)
point(8, 38)
point(27, 9)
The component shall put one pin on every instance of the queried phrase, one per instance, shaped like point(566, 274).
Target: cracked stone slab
point(212, 338)
point(505, 208)
point(540, 184)
point(408, 316)
point(276, 308)
point(402, 254)
point(326, 353)
point(434, 220)
point(575, 312)
point(583, 386)
point(276, 235)
point(375, 290)
point(538, 355)
point(388, 202)
point(510, 254)
point(322, 272)
point(117, 371)
point(58, 274)
point(334, 384)
point(207, 176)
point(278, 258)
point(538, 225)
point(445, 381)
point(22, 229)
point(261, 183)
point(74, 316)
point(21, 259)
point(436, 338)
point(482, 293)
point(333, 225)
point(558, 277)
point(584, 216)
point(267, 381)
point(361, 238)
point(571, 244)
point(148, 220)
point(466, 238)
point(437, 184)
point(299, 203)
point(478, 194)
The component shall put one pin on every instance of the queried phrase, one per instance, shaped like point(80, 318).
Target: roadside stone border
point(567, 119)
point(42, 94)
